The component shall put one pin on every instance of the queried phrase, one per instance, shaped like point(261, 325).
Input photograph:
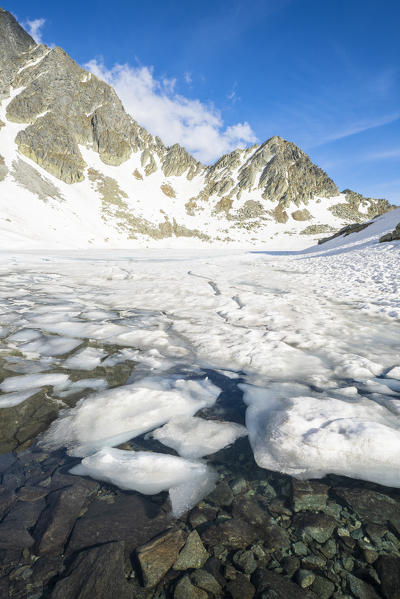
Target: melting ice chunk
point(117, 415)
point(195, 437)
point(309, 437)
point(85, 359)
point(9, 400)
point(149, 473)
point(30, 381)
point(50, 345)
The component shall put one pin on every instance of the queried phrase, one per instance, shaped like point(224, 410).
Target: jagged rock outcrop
point(358, 208)
point(392, 236)
point(177, 161)
point(14, 43)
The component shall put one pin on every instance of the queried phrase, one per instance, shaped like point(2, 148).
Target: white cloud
point(176, 119)
point(34, 28)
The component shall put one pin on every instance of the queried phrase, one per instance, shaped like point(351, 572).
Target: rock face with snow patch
point(15, 43)
point(68, 124)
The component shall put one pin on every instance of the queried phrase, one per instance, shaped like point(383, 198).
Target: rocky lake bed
point(258, 534)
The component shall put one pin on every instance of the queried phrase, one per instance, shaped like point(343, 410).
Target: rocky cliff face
point(64, 120)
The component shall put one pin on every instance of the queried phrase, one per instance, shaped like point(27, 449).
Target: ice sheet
point(309, 437)
point(115, 416)
point(322, 325)
point(196, 437)
point(149, 473)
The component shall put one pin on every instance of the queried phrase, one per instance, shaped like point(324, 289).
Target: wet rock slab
point(130, 518)
point(95, 573)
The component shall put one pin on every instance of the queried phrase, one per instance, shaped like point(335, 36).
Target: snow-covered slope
point(76, 171)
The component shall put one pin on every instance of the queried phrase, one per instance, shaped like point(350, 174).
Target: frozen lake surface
point(309, 341)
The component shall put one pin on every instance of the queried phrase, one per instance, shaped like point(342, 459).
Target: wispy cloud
point(392, 154)
point(156, 106)
point(358, 127)
point(34, 28)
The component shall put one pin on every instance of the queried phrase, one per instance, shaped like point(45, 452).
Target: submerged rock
point(95, 573)
point(186, 590)
point(277, 587)
point(309, 495)
point(193, 554)
point(388, 568)
point(317, 526)
point(372, 506)
point(157, 557)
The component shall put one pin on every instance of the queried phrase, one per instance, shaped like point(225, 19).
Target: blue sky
point(214, 75)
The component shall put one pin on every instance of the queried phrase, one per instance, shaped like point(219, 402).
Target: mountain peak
point(74, 142)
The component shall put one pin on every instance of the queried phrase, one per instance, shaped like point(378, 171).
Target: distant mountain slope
point(76, 170)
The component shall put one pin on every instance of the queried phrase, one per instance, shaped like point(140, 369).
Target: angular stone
point(290, 565)
point(206, 581)
point(193, 554)
point(96, 573)
point(305, 578)
point(240, 588)
point(186, 590)
point(361, 589)
point(388, 568)
point(233, 534)
point(372, 506)
point(158, 556)
point(252, 511)
point(309, 495)
point(57, 520)
point(323, 587)
point(244, 560)
point(317, 526)
point(278, 587)
point(215, 567)
point(222, 494)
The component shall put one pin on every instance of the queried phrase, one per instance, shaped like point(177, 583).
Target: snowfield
point(311, 338)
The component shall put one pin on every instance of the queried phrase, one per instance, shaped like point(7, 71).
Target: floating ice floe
point(33, 381)
point(85, 359)
point(149, 473)
point(9, 400)
point(195, 437)
point(50, 345)
point(115, 416)
point(309, 437)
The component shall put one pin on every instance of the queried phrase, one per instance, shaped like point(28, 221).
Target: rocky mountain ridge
point(64, 129)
